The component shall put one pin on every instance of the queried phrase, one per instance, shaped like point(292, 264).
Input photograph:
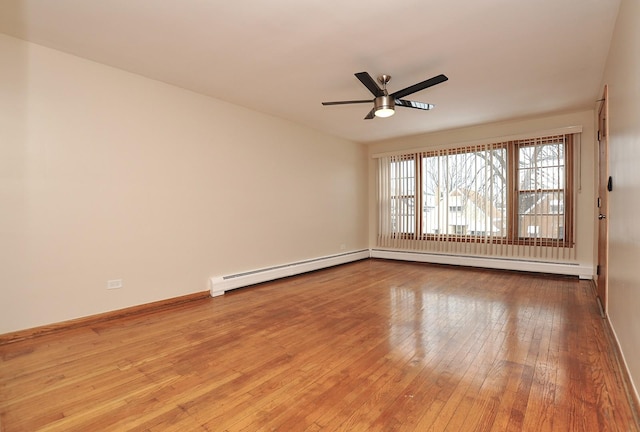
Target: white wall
point(106, 174)
point(585, 212)
point(622, 75)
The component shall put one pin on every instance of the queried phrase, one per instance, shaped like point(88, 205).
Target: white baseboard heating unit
point(571, 269)
point(220, 284)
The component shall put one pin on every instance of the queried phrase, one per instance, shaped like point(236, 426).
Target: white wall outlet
point(114, 284)
point(343, 246)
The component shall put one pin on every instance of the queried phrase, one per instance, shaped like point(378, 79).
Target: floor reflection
point(430, 320)
point(425, 322)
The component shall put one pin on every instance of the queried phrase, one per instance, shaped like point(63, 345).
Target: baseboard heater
point(569, 269)
point(220, 284)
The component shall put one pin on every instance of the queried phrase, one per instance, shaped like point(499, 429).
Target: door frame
point(602, 279)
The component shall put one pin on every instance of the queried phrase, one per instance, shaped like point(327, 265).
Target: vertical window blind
point(506, 199)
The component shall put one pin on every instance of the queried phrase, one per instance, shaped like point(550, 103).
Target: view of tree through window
point(464, 193)
point(467, 192)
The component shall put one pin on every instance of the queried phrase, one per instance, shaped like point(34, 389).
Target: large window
point(515, 192)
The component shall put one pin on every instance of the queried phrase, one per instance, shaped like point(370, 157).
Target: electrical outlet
point(114, 284)
point(343, 246)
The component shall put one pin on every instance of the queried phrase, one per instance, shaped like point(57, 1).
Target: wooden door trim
point(603, 201)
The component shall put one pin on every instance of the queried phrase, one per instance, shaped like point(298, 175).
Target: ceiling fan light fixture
point(384, 106)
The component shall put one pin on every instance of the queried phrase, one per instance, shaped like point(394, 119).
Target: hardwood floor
point(368, 346)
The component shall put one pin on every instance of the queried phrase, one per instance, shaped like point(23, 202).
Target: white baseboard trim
point(580, 270)
point(220, 284)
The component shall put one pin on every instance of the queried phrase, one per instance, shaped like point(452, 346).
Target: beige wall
point(585, 213)
point(106, 175)
point(622, 75)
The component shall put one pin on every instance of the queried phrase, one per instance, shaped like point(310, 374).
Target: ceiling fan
point(383, 102)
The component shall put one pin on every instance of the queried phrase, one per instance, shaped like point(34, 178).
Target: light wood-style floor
point(368, 346)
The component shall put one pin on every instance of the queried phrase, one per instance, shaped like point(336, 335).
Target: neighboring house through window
point(465, 193)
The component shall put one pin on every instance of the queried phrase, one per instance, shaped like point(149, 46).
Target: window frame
point(511, 230)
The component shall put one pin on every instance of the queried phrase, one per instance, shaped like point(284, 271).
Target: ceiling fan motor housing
point(384, 102)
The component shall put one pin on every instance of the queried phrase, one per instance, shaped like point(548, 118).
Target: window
point(542, 181)
point(514, 192)
point(458, 185)
point(458, 229)
point(403, 195)
point(533, 231)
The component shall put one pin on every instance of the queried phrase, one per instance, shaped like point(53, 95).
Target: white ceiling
point(504, 58)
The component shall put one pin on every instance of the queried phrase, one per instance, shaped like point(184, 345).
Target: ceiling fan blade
point(370, 83)
point(420, 86)
point(414, 104)
point(347, 102)
point(371, 114)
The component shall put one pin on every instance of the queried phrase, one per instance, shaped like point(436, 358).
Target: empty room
point(306, 216)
